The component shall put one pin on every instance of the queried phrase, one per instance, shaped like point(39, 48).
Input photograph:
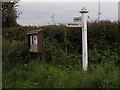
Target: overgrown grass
point(37, 75)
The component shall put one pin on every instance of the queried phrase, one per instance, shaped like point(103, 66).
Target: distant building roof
point(35, 31)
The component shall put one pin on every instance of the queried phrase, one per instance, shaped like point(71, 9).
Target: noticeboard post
point(35, 44)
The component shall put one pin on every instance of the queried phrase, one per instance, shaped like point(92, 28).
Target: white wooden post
point(82, 23)
point(84, 39)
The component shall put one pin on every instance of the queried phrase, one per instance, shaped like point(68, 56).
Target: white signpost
point(82, 22)
point(74, 24)
point(77, 19)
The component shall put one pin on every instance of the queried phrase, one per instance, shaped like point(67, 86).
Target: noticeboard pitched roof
point(35, 31)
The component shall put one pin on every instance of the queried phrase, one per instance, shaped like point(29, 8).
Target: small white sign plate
point(77, 19)
point(74, 24)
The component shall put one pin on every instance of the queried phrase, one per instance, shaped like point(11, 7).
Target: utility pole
point(53, 19)
point(84, 39)
point(99, 11)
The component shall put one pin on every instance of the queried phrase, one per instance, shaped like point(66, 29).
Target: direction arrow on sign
point(74, 24)
point(77, 19)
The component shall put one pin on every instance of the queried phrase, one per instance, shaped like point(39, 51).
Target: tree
point(9, 13)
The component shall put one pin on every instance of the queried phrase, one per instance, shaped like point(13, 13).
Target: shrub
point(15, 53)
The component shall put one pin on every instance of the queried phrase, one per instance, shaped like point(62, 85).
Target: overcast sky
point(39, 13)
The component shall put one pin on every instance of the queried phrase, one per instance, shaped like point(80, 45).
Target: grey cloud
point(40, 13)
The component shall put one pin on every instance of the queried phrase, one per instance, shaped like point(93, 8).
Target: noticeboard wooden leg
point(43, 58)
point(29, 56)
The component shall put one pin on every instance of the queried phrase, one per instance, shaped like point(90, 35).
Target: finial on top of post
point(84, 10)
